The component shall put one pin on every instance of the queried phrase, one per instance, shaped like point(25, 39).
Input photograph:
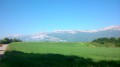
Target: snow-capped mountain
point(111, 28)
point(72, 35)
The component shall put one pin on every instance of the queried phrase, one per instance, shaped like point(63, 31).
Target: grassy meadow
point(60, 54)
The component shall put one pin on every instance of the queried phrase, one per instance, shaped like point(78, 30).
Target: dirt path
point(3, 49)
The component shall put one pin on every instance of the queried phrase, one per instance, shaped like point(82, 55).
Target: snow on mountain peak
point(88, 31)
point(41, 36)
point(75, 31)
point(111, 28)
point(46, 38)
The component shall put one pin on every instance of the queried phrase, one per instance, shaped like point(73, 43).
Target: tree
point(17, 40)
point(7, 40)
point(105, 41)
point(112, 39)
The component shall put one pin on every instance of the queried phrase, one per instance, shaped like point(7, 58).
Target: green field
point(85, 50)
point(54, 54)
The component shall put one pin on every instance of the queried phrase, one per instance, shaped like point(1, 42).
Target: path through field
point(2, 49)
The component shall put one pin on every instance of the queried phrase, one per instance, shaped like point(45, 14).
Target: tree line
point(112, 40)
point(8, 40)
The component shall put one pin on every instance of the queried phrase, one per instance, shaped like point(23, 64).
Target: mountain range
point(71, 35)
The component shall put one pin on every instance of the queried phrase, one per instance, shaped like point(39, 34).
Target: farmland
point(60, 54)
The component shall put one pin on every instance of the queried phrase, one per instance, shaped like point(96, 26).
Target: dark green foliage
point(7, 40)
point(112, 40)
point(21, 59)
point(16, 40)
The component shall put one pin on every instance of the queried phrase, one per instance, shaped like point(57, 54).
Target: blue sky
point(33, 16)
